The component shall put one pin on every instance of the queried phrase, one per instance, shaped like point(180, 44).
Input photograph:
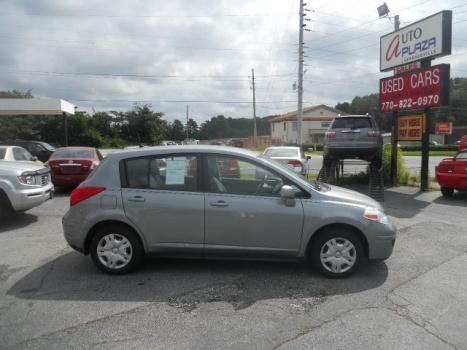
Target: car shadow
point(187, 283)
point(458, 199)
point(403, 205)
point(16, 221)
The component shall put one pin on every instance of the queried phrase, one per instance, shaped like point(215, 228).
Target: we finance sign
point(427, 38)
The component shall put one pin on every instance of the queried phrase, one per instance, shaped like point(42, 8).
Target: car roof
point(146, 151)
point(75, 147)
point(355, 116)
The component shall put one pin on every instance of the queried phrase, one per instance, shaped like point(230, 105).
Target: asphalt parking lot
point(54, 298)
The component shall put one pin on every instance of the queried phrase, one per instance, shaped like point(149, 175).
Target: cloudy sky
point(105, 55)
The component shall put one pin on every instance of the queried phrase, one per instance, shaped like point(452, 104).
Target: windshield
point(460, 155)
point(47, 146)
point(72, 153)
point(316, 185)
point(281, 152)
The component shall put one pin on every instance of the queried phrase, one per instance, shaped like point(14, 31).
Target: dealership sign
point(419, 89)
point(427, 38)
point(443, 128)
point(411, 128)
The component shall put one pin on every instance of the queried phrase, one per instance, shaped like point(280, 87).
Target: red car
point(451, 173)
point(69, 166)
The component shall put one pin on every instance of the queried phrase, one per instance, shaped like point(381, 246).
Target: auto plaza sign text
point(427, 38)
point(422, 88)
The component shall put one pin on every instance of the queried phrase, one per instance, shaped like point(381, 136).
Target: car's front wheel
point(336, 252)
point(116, 249)
point(447, 192)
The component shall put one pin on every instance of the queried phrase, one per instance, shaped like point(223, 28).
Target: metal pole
point(394, 130)
point(424, 183)
point(186, 131)
point(65, 128)
point(254, 106)
point(300, 76)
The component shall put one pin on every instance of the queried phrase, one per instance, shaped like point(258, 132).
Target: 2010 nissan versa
point(177, 202)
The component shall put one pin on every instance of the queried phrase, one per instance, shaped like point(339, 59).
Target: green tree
point(143, 125)
point(176, 131)
point(193, 129)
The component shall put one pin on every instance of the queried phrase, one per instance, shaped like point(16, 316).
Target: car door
point(245, 214)
point(161, 197)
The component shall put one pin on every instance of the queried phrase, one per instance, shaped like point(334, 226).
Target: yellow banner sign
point(411, 127)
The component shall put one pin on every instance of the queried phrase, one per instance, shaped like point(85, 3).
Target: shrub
point(402, 172)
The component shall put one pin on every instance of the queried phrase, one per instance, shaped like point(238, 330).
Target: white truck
point(23, 186)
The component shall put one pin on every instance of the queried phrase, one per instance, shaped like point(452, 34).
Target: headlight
point(27, 179)
point(374, 214)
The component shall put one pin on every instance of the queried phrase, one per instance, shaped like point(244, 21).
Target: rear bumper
point(68, 180)
point(352, 152)
point(456, 181)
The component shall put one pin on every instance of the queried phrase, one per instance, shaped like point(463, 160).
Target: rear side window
point(352, 123)
point(173, 173)
point(2, 153)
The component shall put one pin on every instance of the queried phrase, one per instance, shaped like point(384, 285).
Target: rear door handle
point(137, 199)
point(220, 204)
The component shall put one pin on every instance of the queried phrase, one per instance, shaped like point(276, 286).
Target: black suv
point(354, 137)
point(42, 150)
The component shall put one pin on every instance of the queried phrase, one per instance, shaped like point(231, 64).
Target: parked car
point(235, 143)
point(127, 208)
point(41, 150)
point(70, 166)
point(23, 186)
point(353, 137)
point(462, 143)
point(18, 154)
point(451, 173)
point(290, 156)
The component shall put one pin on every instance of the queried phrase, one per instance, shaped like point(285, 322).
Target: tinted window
point(21, 154)
point(2, 153)
point(235, 176)
point(73, 153)
point(36, 148)
point(351, 123)
point(461, 155)
point(47, 146)
point(284, 152)
point(174, 173)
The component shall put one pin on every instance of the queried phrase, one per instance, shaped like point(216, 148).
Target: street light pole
point(300, 75)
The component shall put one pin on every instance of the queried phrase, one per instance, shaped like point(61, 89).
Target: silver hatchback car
point(214, 201)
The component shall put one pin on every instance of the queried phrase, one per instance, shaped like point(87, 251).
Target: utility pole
point(254, 106)
point(395, 129)
point(186, 128)
point(300, 74)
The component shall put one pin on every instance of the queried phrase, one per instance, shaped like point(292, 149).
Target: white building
point(316, 120)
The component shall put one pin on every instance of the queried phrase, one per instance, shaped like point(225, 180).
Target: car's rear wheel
point(336, 252)
point(447, 192)
point(5, 206)
point(116, 249)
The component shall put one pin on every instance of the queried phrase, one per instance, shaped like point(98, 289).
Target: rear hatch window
point(352, 123)
point(292, 153)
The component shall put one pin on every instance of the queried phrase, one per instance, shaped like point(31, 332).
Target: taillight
point(330, 134)
point(82, 193)
point(295, 163)
point(372, 133)
point(94, 164)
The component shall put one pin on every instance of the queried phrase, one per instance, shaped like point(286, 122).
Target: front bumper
point(27, 198)
point(381, 241)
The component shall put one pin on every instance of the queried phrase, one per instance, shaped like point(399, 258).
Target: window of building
point(294, 126)
point(285, 126)
point(325, 124)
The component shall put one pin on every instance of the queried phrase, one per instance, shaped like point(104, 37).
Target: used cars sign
point(427, 38)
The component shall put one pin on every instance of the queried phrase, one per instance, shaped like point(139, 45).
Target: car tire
point(336, 252)
point(116, 249)
point(5, 206)
point(447, 192)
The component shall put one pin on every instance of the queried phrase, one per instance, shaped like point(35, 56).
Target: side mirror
point(308, 157)
point(34, 159)
point(287, 192)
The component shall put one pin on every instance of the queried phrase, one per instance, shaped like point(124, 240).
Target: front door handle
point(137, 199)
point(220, 204)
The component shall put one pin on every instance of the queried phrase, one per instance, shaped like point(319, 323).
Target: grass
point(432, 153)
